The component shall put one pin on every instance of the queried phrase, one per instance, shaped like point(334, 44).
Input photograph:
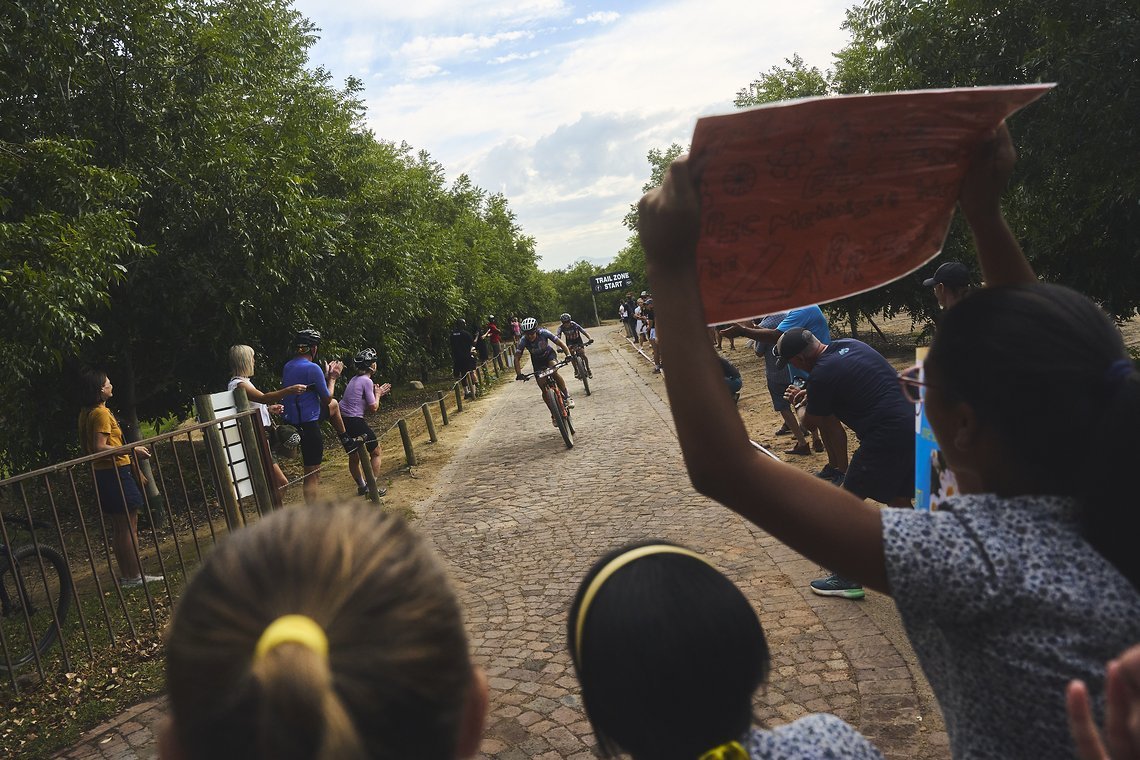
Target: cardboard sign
point(808, 201)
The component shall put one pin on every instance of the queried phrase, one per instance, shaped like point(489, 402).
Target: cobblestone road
point(518, 545)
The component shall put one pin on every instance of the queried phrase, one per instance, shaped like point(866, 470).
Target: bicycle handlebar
point(529, 375)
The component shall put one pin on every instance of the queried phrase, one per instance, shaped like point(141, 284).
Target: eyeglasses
point(911, 384)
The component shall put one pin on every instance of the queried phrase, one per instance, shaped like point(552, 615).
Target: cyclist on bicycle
point(537, 340)
point(574, 334)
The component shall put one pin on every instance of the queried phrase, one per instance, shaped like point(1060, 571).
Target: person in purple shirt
point(363, 394)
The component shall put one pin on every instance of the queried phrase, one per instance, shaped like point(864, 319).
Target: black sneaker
point(831, 475)
point(362, 490)
point(837, 585)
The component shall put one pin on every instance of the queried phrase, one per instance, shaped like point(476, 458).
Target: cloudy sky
point(555, 103)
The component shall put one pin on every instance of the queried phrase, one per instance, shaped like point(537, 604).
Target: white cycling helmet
point(565, 317)
point(528, 324)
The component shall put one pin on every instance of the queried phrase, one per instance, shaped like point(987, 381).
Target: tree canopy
point(174, 180)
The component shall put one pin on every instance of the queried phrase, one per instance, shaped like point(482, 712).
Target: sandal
point(800, 449)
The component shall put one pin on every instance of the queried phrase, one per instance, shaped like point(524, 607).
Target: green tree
point(1073, 200)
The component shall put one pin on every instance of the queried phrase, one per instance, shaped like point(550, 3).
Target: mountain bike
point(35, 596)
point(581, 369)
point(554, 400)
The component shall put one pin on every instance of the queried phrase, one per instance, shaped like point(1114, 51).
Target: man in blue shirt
point(854, 383)
point(834, 438)
point(306, 410)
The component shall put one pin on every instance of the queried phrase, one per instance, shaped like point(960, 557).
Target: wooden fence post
point(458, 400)
point(409, 452)
point(442, 407)
point(430, 424)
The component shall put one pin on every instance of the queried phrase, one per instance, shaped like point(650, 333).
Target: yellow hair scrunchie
point(726, 751)
point(300, 629)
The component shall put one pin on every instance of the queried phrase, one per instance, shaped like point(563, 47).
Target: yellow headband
point(300, 629)
point(727, 751)
point(615, 564)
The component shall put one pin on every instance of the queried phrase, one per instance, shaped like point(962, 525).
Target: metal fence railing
point(62, 602)
point(61, 595)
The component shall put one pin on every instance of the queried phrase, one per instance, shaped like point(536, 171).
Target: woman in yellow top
point(119, 494)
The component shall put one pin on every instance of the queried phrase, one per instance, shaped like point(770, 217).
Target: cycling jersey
point(540, 349)
point(573, 331)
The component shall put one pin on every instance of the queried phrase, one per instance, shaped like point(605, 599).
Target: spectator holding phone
point(363, 394)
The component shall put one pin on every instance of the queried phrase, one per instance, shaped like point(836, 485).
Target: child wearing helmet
point(362, 394)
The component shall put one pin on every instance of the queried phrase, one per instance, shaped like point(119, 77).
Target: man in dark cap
point(854, 383)
point(951, 282)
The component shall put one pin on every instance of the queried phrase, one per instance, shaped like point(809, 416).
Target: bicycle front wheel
point(561, 416)
point(35, 591)
point(581, 364)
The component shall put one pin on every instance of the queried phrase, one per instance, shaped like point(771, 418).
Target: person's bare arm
point(760, 334)
point(999, 253)
point(828, 525)
point(272, 397)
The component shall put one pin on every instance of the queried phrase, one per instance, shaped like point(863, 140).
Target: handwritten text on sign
point(809, 201)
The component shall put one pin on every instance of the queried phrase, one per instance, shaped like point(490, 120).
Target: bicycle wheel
point(581, 365)
point(561, 416)
point(35, 590)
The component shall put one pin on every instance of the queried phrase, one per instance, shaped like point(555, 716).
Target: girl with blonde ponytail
point(321, 633)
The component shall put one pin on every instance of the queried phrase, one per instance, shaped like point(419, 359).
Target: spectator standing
point(363, 394)
point(318, 634)
point(307, 410)
point(241, 367)
point(639, 315)
point(496, 337)
point(651, 331)
point(120, 497)
point(462, 357)
point(778, 379)
point(852, 382)
point(516, 330)
point(829, 428)
point(481, 351)
point(630, 316)
point(951, 283)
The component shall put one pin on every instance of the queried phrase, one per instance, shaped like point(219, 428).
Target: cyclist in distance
point(537, 340)
point(574, 334)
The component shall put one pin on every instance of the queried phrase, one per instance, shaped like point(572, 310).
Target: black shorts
point(312, 443)
point(356, 427)
point(881, 473)
point(460, 367)
point(114, 500)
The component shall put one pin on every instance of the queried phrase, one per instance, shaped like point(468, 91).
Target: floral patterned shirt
point(1004, 603)
point(813, 737)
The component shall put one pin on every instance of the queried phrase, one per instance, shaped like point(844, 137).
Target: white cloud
point(607, 17)
point(517, 57)
point(562, 131)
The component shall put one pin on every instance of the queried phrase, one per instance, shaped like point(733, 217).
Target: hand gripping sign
point(812, 200)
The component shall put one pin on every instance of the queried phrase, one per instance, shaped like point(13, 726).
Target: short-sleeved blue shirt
point(1004, 602)
point(307, 406)
point(855, 383)
point(813, 319)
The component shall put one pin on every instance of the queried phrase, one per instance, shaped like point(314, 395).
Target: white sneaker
point(136, 582)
